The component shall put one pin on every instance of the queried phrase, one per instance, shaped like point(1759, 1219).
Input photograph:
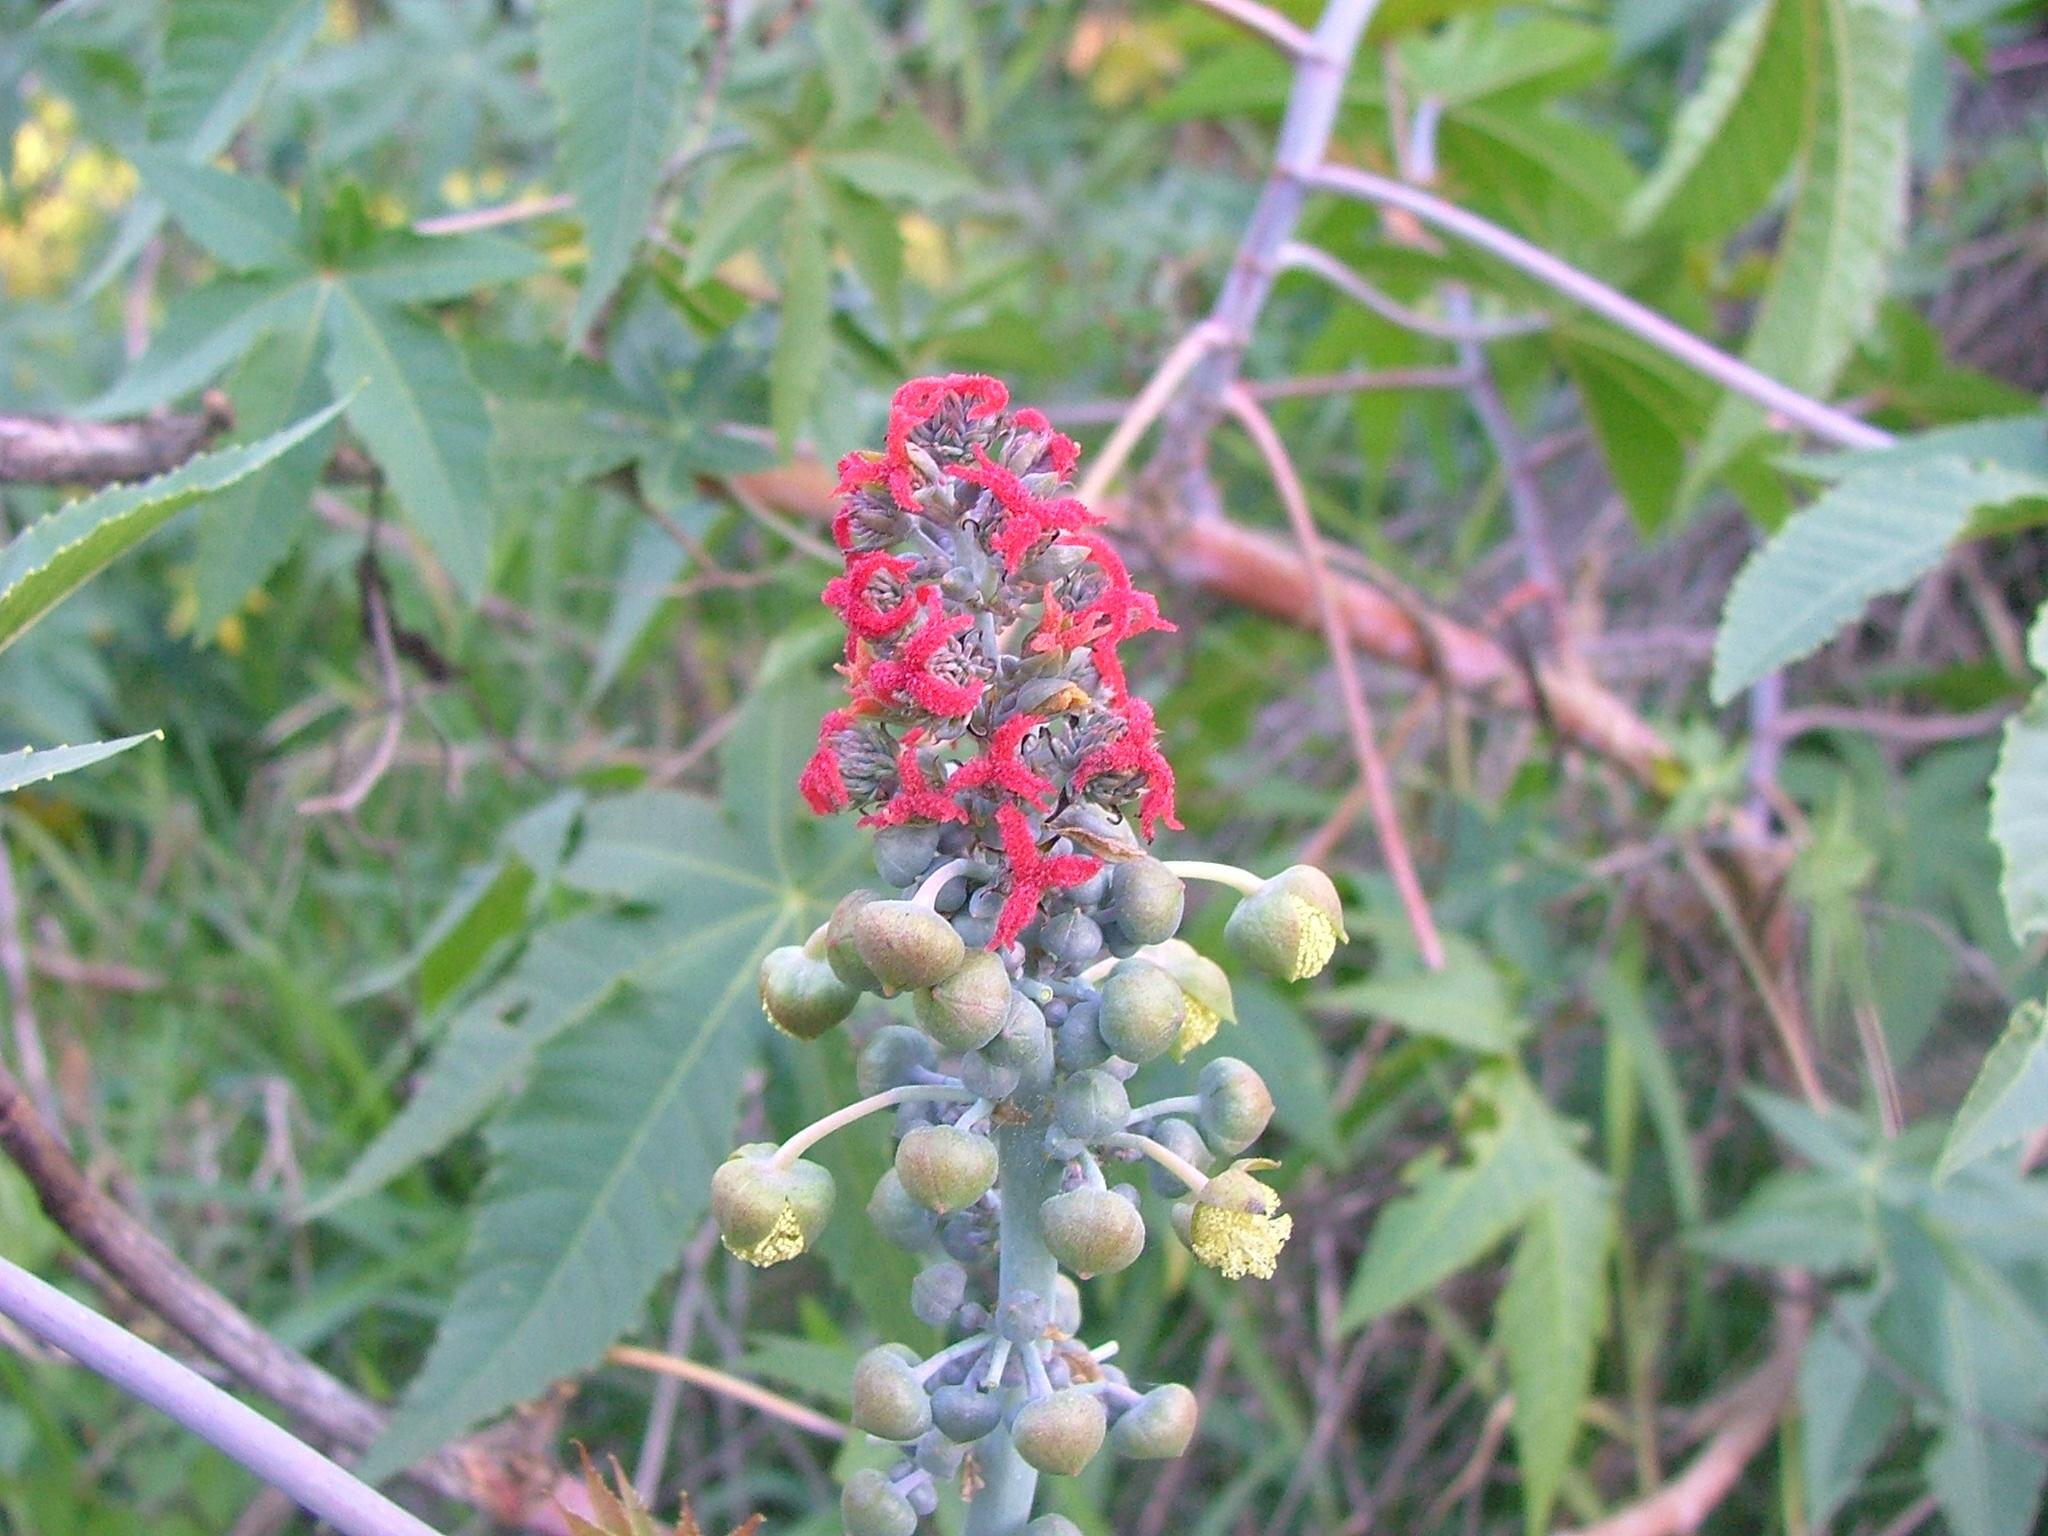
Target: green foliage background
point(528, 300)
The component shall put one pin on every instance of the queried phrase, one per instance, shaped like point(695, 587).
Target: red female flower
point(908, 677)
point(1032, 874)
point(1064, 452)
point(848, 594)
point(917, 403)
point(999, 767)
point(1026, 518)
point(917, 798)
point(821, 784)
point(1135, 752)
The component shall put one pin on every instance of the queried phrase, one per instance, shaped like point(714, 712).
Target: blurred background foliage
point(413, 1003)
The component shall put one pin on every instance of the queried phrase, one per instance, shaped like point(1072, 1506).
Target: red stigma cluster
point(983, 619)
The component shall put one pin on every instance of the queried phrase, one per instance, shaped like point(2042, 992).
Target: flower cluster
point(1014, 781)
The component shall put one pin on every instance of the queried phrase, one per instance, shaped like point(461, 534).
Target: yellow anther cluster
point(1238, 1243)
point(1197, 1027)
point(785, 1240)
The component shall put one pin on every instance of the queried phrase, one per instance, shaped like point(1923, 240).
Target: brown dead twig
point(59, 450)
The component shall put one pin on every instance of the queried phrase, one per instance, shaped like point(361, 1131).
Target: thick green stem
point(1003, 1506)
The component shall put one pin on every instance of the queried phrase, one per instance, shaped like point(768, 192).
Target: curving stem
point(1003, 1506)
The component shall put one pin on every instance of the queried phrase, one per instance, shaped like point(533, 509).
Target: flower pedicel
point(1014, 782)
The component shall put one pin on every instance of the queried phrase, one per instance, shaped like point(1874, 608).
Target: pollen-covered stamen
point(1032, 874)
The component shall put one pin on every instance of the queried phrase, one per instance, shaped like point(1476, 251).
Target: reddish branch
point(1750, 1414)
point(52, 450)
point(497, 1477)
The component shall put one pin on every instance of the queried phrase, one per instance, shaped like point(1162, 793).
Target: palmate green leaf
point(2019, 818)
point(203, 333)
point(1878, 531)
point(242, 223)
point(1847, 218)
point(424, 421)
point(1643, 411)
point(37, 765)
point(1451, 1216)
point(620, 1037)
point(618, 71)
point(898, 159)
point(1817, 1221)
point(741, 208)
point(802, 334)
point(1463, 1003)
point(247, 531)
point(2009, 1099)
point(1848, 1408)
point(1550, 1319)
point(1735, 136)
point(50, 558)
point(397, 266)
point(218, 57)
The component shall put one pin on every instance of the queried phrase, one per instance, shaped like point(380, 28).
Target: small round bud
point(1052, 1525)
point(1206, 988)
point(1142, 1009)
point(1022, 1317)
point(1024, 1042)
point(839, 951)
point(869, 1505)
point(1181, 1138)
point(801, 994)
point(964, 1237)
point(1093, 1231)
point(899, 1218)
point(1078, 1045)
point(940, 1455)
point(1234, 1225)
point(1158, 1426)
point(965, 1413)
point(892, 1058)
point(903, 854)
point(985, 1077)
point(924, 1498)
point(937, 1292)
point(1061, 1433)
point(1071, 937)
point(1146, 901)
point(1066, 1305)
point(766, 1213)
point(966, 1010)
point(945, 1168)
point(906, 946)
point(1091, 1105)
point(1235, 1105)
point(1290, 926)
point(889, 1402)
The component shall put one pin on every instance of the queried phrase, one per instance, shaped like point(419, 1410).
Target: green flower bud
point(1066, 1305)
point(1142, 1010)
point(840, 954)
point(1091, 1105)
point(899, 1218)
point(1290, 926)
point(966, 1010)
point(1061, 1433)
point(1093, 1231)
point(965, 1413)
point(767, 1214)
point(801, 993)
point(1052, 1525)
point(905, 946)
point(1181, 1138)
point(889, 1402)
point(1235, 1105)
point(945, 1168)
point(869, 1505)
point(902, 854)
point(893, 1057)
point(1234, 1225)
point(1206, 988)
point(1145, 901)
point(1158, 1426)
